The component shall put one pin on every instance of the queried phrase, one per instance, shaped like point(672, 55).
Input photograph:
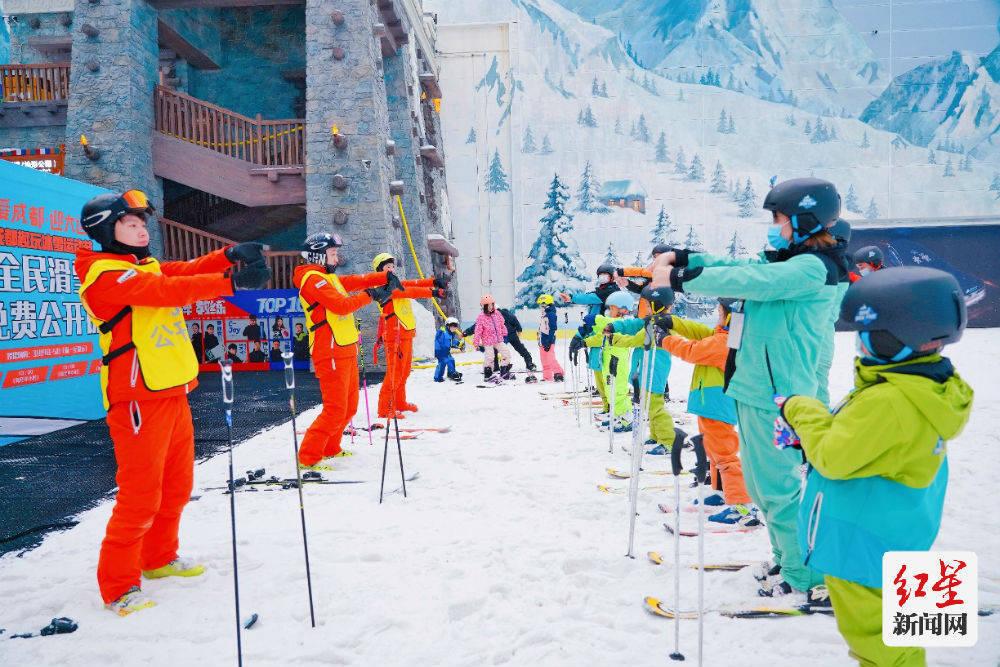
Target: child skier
point(618, 305)
point(147, 370)
point(867, 260)
point(595, 300)
point(631, 332)
point(447, 337)
point(397, 327)
point(547, 326)
point(333, 339)
point(878, 465)
point(488, 336)
point(707, 349)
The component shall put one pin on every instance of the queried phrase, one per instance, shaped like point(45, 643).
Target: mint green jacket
point(788, 309)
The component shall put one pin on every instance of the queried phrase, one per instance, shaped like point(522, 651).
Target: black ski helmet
point(727, 303)
point(315, 246)
point(812, 204)
point(606, 268)
point(661, 248)
point(100, 213)
point(659, 298)
point(869, 255)
point(841, 230)
point(905, 311)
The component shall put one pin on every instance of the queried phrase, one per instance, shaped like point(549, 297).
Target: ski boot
point(818, 596)
point(775, 589)
point(741, 514)
point(408, 407)
point(505, 372)
point(455, 377)
point(178, 567)
point(714, 500)
point(339, 455)
point(766, 570)
point(622, 425)
point(660, 449)
point(530, 379)
point(132, 600)
point(530, 367)
point(319, 466)
point(558, 377)
point(439, 379)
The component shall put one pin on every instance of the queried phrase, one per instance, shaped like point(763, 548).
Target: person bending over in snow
point(877, 466)
point(547, 327)
point(631, 332)
point(148, 368)
point(707, 349)
point(447, 337)
point(333, 339)
point(598, 336)
point(489, 336)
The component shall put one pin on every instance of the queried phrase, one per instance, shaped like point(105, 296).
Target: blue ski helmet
point(621, 300)
point(812, 204)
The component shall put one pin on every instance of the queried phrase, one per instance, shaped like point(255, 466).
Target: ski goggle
point(136, 201)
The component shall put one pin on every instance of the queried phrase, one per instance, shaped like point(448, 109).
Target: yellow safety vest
point(341, 326)
point(404, 311)
point(159, 335)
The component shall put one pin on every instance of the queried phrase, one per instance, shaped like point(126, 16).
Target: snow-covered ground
point(505, 552)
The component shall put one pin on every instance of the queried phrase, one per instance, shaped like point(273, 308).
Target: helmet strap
point(118, 248)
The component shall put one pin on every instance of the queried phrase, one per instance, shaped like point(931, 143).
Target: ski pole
point(640, 414)
point(395, 419)
point(364, 383)
point(613, 380)
point(290, 386)
point(576, 397)
point(227, 401)
point(701, 468)
point(675, 465)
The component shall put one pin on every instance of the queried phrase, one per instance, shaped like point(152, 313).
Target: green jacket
point(788, 307)
point(878, 465)
point(596, 339)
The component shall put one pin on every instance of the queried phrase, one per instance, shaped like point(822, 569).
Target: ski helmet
point(869, 255)
point(545, 300)
point(381, 260)
point(315, 246)
point(841, 230)
point(812, 204)
point(621, 300)
point(486, 299)
point(727, 303)
point(659, 298)
point(905, 311)
point(451, 321)
point(606, 268)
point(661, 248)
point(100, 213)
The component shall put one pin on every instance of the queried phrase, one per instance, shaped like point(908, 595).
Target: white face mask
point(603, 279)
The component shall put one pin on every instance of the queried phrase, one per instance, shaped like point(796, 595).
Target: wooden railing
point(271, 143)
point(181, 242)
point(35, 83)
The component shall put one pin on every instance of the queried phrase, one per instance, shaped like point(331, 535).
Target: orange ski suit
point(397, 328)
point(334, 350)
point(150, 423)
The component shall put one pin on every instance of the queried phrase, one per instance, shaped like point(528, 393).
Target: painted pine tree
point(546, 146)
point(748, 201)
point(931, 159)
point(589, 120)
point(611, 256)
point(680, 162)
point(618, 125)
point(864, 140)
point(872, 212)
point(496, 179)
point(808, 127)
point(722, 125)
point(995, 185)
point(718, 184)
point(528, 146)
point(604, 89)
point(731, 128)
point(471, 139)
point(663, 229)
point(586, 194)
point(639, 260)
point(737, 192)
point(948, 171)
point(661, 148)
point(692, 242)
point(696, 172)
point(851, 202)
point(641, 130)
point(966, 163)
point(736, 248)
point(595, 88)
point(555, 266)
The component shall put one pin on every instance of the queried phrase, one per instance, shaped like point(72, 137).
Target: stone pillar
point(113, 106)
point(349, 93)
point(401, 87)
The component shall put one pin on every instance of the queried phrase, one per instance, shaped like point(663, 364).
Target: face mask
point(864, 272)
point(775, 239)
point(603, 279)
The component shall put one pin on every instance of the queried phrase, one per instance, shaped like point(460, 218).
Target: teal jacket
point(878, 470)
point(630, 332)
point(788, 306)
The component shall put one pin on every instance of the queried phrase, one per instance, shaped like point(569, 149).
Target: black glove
point(442, 283)
point(665, 322)
point(547, 347)
point(248, 253)
point(575, 345)
point(250, 276)
point(619, 272)
point(392, 283)
point(380, 295)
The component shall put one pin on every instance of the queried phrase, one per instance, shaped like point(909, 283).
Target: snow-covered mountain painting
point(668, 120)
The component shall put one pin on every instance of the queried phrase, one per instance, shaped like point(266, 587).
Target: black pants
point(515, 342)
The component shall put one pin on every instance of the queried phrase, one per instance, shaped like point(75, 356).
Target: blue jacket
point(443, 342)
point(633, 335)
point(595, 300)
point(547, 327)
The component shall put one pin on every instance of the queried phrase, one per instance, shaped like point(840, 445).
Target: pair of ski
point(308, 477)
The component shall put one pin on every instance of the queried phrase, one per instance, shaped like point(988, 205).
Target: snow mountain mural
point(672, 119)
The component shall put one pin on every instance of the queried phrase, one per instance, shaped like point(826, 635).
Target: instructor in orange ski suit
point(149, 366)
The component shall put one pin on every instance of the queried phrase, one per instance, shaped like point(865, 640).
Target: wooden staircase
point(250, 161)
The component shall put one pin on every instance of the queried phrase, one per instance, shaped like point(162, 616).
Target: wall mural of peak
point(668, 120)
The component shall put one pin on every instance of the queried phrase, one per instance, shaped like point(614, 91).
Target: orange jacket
point(180, 284)
point(637, 272)
point(328, 298)
point(711, 351)
point(413, 289)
